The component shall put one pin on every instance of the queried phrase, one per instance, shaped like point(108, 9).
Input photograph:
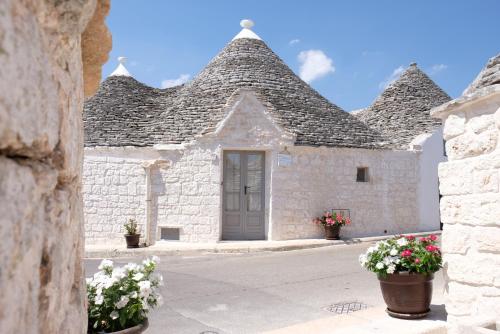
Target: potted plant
point(332, 223)
point(405, 267)
point(132, 237)
point(119, 298)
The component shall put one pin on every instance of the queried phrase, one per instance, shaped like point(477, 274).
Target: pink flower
point(423, 239)
point(329, 221)
point(347, 221)
point(406, 253)
point(410, 237)
point(417, 260)
point(431, 248)
point(433, 237)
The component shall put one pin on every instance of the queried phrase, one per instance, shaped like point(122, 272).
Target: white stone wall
point(325, 178)
point(114, 191)
point(187, 193)
point(432, 153)
point(470, 207)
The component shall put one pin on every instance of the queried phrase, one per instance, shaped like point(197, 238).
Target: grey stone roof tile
point(125, 112)
point(402, 111)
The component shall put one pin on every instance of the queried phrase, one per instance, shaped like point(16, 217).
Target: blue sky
point(350, 49)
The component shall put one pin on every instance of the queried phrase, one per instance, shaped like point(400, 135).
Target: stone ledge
point(168, 248)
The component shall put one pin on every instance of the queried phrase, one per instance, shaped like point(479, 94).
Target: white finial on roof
point(246, 32)
point(121, 70)
point(247, 23)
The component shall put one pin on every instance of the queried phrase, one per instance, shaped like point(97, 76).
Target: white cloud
point(393, 77)
point(314, 64)
point(183, 78)
point(294, 41)
point(437, 68)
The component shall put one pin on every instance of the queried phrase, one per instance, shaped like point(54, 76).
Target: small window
point(168, 233)
point(362, 174)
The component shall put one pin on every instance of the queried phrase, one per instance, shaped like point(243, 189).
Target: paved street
point(258, 292)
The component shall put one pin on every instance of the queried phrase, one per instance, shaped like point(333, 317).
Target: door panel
point(243, 196)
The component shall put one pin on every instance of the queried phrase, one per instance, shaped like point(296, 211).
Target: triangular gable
point(248, 121)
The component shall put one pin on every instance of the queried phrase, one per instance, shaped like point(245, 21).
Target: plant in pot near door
point(332, 222)
point(405, 267)
point(119, 298)
point(132, 237)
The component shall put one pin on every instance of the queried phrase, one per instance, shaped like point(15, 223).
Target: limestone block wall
point(325, 178)
point(41, 227)
point(114, 190)
point(470, 207)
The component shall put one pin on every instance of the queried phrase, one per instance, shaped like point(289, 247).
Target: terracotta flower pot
point(407, 295)
point(134, 330)
point(332, 232)
point(132, 240)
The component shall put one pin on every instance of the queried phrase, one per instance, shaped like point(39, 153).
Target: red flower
point(423, 239)
point(417, 260)
point(431, 248)
point(433, 237)
point(410, 237)
point(406, 253)
point(347, 221)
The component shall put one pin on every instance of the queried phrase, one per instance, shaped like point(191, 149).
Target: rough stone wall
point(321, 178)
point(470, 207)
point(188, 193)
point(114, 191)
point(41, 98)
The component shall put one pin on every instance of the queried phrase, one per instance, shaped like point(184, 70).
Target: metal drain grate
point(346, 308)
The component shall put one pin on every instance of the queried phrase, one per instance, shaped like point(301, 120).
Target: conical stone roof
point(126, 112)
point(489, 75)
point(402, 111)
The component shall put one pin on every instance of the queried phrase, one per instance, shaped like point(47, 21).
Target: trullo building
point(249, 151)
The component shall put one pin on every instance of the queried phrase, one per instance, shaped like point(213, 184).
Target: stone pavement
point(168, 248)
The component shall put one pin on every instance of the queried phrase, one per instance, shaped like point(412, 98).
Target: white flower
point(156, 279)
point(362, 259)
point(149, 262)
point(131, 267)
point(118, 273)
point(88, 280)
point(122, 302)
point(138, 276)
point(379, 265)
point(114, 315)
point(108, 282)
point(393, 251)
point(371, 250)
point(391, 269)
point(99, 299)
point(105, 264)
point(133, 294)
point(155, 259)
point(144, 288)
point(402, 242)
